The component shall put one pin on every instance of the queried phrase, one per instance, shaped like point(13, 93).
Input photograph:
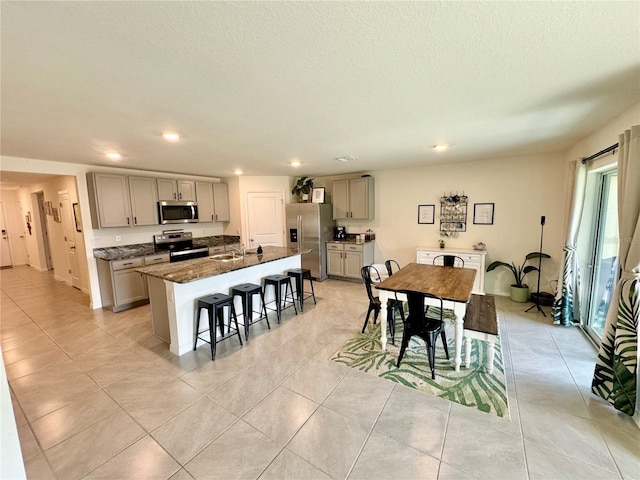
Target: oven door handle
point(187, 252)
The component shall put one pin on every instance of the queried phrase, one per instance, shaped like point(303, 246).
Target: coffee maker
point(340, 233)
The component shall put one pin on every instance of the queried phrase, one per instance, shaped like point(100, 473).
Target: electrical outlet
point(118, 238)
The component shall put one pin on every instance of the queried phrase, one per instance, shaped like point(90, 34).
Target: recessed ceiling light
point(346, 158)
point(171, 136)
point(295, 162)
point(237, 171)
point(114, 156)
point(441, 147)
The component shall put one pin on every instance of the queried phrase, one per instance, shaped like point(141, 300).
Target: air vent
point(347, 158)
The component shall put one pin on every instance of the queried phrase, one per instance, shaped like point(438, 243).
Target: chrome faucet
point(240, 249)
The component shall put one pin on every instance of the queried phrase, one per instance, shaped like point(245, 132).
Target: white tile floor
point(97, 396)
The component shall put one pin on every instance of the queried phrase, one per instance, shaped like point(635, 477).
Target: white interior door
point(265, 219)
point(5, 249)
point(68, 228)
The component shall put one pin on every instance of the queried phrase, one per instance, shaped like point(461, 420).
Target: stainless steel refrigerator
point(310, 226)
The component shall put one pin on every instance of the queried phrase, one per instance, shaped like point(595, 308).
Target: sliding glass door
point(602, 254)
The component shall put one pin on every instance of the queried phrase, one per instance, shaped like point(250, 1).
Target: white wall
point(522, 190)
point(606, 136)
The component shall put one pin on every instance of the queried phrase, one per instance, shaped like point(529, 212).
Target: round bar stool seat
point(299, 274)
point(214, 305)
point(282, 302)
point(246, 291)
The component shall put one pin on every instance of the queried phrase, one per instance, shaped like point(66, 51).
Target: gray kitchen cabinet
point(353, 198)
point(121, 287)
point(144, 200)
point(346, 259)
point(171, 189)
point(204, 197)
point(213, 202)
point(221, 202)
point(109, 200)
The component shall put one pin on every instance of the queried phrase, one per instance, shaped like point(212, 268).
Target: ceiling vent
point(347, 158)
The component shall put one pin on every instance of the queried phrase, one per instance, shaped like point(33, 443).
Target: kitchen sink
point(226, 257)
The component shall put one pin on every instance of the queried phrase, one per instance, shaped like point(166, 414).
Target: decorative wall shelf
point(453, 213)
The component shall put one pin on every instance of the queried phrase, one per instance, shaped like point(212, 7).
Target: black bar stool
point(299, 274)
point(246, 291)
point(214, 304)
point(277, 281)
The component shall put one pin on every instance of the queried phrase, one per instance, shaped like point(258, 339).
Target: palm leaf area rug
point(472, 387)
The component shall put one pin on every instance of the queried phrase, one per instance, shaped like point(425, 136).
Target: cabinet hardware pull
point(128, 221)
point(130, 263)
point(135, 220)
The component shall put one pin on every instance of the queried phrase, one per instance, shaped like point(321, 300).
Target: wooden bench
point(481, 323)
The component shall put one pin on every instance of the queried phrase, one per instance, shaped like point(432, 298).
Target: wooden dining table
point(450, 283)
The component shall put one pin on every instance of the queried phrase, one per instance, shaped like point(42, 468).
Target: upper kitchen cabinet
point(221, 202)
point(213, 202)
point(353, 198)
point(144, 199)
point(169, 189)
point(109, 199)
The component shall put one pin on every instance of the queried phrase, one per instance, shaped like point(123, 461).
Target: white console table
point(472, 259)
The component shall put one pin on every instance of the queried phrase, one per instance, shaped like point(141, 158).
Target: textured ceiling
point(256, 84)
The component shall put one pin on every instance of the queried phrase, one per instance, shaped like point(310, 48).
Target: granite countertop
point(145, 249)
point(351, 240)
point(196, 269)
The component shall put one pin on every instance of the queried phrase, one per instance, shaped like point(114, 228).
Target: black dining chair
point(449, 261)
point(423, 326)
point(375, 306)
point(391, 266)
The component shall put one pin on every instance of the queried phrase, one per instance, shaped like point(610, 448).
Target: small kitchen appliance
point(179, 245)
point(340, 233)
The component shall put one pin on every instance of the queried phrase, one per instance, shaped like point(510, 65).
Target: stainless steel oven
point(180, 246)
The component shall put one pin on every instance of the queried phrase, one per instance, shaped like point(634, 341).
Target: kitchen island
point(175, 287)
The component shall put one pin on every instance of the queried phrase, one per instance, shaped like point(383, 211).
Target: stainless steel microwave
point(172, 211)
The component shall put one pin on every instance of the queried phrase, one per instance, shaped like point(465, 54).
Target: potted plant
point(519, 290)
point(302, 188)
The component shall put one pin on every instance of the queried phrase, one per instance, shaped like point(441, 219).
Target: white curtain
point(616, 374)
point(566, 306)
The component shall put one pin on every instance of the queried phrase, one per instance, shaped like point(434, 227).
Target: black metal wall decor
point(453, 213)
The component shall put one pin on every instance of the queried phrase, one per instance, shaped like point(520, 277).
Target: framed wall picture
point(317, 195)
point(76, 217)
point(483, 213)
point(426, 213)
point(56, 214)
point(47, 208)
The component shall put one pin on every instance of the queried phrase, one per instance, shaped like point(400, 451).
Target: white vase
point(305, 197)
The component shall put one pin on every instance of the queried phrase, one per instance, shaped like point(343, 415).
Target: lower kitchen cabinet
point(346, 259)
point(121, 287)
point(472, 259)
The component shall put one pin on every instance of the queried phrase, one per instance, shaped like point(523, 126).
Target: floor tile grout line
point(591, 419)
point(304, 423)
